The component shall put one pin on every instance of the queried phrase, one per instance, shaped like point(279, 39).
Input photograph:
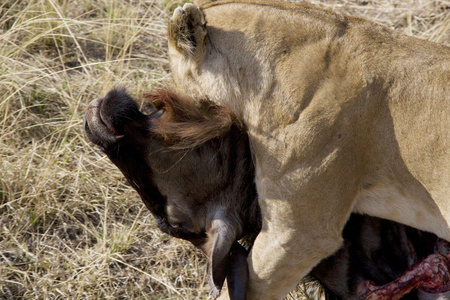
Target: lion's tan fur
point(343, 115)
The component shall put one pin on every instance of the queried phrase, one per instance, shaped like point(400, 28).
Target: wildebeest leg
point(432, 276)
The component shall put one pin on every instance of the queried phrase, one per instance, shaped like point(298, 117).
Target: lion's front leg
point(278, 262)
point(187, 30)
point(304, 213)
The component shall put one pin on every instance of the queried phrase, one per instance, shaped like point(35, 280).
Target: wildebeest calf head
point(190, 164)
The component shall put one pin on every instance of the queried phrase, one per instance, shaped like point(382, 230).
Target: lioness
point(343, 116)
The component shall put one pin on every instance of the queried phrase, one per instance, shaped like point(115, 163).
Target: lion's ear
point(221, 237)
point(187, 31)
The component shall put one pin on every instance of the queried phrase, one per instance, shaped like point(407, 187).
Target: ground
point(70, 226)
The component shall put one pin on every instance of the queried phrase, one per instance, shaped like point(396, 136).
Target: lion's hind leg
point(187, 29)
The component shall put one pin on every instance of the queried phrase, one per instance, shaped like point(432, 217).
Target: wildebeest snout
point(106, 118)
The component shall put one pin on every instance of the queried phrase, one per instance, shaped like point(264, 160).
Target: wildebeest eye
point(150, 109)
point(178, 225)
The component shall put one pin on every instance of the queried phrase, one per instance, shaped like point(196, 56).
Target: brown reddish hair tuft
point(184, 125)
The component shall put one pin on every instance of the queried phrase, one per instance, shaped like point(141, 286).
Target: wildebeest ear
point(221, 237)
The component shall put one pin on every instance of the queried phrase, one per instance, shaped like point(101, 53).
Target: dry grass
point(70, 227)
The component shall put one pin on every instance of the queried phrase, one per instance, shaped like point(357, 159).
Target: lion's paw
point(187, 29)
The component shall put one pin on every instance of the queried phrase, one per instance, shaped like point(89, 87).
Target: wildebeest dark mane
point(187, 125)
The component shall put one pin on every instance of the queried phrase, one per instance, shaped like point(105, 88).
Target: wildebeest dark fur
point(203, 191)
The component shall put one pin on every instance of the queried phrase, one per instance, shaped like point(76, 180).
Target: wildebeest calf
point(196, 180)
point(191, 164)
